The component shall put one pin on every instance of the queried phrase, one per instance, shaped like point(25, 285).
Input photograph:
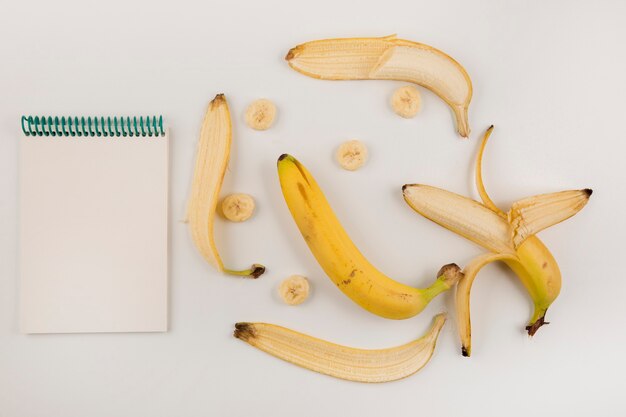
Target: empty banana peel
point(509, 237)
point(388, 58)
point(211, 162)
point(361, 365)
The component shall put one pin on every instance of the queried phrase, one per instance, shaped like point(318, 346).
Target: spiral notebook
point(93, 198)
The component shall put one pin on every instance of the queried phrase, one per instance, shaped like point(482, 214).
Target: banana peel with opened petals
point(508, 236)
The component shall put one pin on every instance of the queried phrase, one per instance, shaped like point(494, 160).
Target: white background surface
point(548, 74)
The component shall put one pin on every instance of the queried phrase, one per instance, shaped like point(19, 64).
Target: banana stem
point(462, 122)
point(447, 277)
point(538, 319)
point(435, 289)
point(254, 272)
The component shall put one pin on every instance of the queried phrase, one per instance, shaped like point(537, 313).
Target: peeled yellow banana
point(341, 259)
point(388, 58)
point(211, 162)
point(509, 237)
point(377, 365)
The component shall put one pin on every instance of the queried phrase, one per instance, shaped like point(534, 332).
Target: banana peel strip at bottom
point(343, 362)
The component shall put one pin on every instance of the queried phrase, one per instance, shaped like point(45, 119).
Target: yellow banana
point(510, 237)
point(340, 258)
point(388, 58)
point(361, 365)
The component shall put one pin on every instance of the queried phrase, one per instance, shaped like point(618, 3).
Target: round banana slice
point(351, 155)
point(294, 290)
point(260, 114)
point(238, 207)
point(406, 101)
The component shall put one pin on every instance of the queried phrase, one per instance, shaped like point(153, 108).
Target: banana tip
point(450, 273)
point(588, 191)
point(405, 187)
point(287, 157)
point(465, 351)
point(532, 328)
point(462, 121)
point(244, 331)
point(257, 271)
point(291, 54)
point(218, 100)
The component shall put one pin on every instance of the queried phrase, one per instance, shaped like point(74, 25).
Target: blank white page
point(93, 234)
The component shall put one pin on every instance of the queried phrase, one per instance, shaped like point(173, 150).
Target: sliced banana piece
point(406, 101)
point(388, 58)
point(352, 155)
point(294, 290)
point(361, 365)
point(260, 114)
point(238, 207)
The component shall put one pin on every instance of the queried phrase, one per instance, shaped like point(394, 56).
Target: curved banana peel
point(462, 298)
point(342, 261)
point(478, 176)
point(388, 58)
point(510, 237)
point(360, 365)
point(212, 158)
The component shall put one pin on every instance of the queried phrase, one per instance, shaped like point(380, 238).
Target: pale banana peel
point(531, 215)
point(212, 158)
point(342, 261)
point(360, 365)
point(510, 237)
point(388, 58)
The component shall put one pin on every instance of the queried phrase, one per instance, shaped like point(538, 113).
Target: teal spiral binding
point(93, 126)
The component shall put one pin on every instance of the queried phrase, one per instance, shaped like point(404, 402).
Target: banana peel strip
point(462, 299)
point(531, 215)
point(212, 158)
point(480, 185)
point(343, 362)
